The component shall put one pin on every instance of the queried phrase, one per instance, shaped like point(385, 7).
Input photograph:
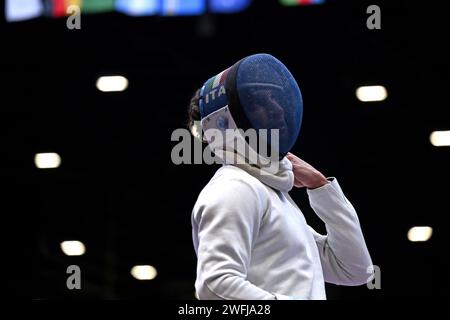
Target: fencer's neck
point(281, 178)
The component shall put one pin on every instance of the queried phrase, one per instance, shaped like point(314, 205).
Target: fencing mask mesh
point(260, 93)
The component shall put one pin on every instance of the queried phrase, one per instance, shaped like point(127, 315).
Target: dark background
point(117, 189)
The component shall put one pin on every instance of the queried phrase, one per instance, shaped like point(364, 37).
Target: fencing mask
point(259, 95)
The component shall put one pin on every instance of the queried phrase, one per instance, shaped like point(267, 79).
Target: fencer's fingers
point(298, 183)
point(291, 156)
point(298, 167)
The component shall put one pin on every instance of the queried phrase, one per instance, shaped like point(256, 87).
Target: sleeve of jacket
point(344, 255)
point(228, 220)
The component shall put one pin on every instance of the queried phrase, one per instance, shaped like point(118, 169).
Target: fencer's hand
point(305, 175)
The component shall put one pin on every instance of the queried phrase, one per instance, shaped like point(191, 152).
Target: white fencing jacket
point(252, 242)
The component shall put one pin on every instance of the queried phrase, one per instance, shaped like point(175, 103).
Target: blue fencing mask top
point(257, 92)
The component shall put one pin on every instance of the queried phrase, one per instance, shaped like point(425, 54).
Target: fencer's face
point(267, 109)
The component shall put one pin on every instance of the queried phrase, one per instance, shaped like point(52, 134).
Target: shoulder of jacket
point(234, 176)
point(233, 184)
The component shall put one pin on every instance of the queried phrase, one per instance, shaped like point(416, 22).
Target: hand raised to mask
point(305, 175)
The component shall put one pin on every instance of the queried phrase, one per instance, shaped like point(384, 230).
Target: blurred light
point(417, 234)
point(58, 8)
point(112, 83)
point(371, 93)
point(47, 160)
point(138, 7)
point(16, 10)
point(440, 138)
point(73, 2)
point(183, 7)
point(300, 2)
point(228, 6)
point(73, 248)
point(97, 6)
point(144, 272)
